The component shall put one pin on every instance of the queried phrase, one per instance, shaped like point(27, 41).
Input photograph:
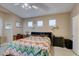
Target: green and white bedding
point(25, 47)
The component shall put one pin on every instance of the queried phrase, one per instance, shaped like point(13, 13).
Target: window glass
point(52, 23)
point(18, 24)
point(30, 24)
point(39, 23)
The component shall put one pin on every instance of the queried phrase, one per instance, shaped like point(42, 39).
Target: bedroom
point(36, 21)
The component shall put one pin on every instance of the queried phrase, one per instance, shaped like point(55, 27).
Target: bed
point(30, 46)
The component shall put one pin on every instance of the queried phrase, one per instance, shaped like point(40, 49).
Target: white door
point(1, 26)
point(1, 30)
point(8, 30)
point(75, 34)
point(8, 35)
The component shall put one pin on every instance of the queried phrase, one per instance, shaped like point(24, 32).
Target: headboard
point(48, 34)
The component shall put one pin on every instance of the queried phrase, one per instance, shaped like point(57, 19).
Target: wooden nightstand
point(58, 41)
point(18, 36)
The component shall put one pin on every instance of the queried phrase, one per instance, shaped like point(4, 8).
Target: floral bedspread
point(31, 46)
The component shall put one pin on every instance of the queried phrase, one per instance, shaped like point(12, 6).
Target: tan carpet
point(63, 52)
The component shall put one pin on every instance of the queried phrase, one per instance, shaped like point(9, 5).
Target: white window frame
point(8, 26)
point(39, 23)
point(30, 24)
point(18, 24)
point(52, 22)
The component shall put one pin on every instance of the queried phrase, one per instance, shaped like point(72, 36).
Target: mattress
point(30, 46)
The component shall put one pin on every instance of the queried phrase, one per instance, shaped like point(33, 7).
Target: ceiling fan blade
point(41, 6)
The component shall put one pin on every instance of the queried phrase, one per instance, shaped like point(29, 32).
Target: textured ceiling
point(44, 9)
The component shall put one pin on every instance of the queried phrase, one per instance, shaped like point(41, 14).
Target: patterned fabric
point(26, 47)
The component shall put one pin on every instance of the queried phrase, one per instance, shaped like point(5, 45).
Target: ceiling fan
point(36, 6)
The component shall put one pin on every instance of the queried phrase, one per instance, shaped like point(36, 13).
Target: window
point(18, 24)
point(8, 26)
point(30, 24)
point(52, 23)
point(39, 23)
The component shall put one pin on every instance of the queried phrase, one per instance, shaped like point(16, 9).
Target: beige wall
point(75, 10)
point(63, 21)
point(17, 30)
point(10, 19)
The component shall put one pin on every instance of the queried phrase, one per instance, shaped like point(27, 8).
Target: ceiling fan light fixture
point(23, 6)
point(29, 7)
point(35, 7)
point(26, 5)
